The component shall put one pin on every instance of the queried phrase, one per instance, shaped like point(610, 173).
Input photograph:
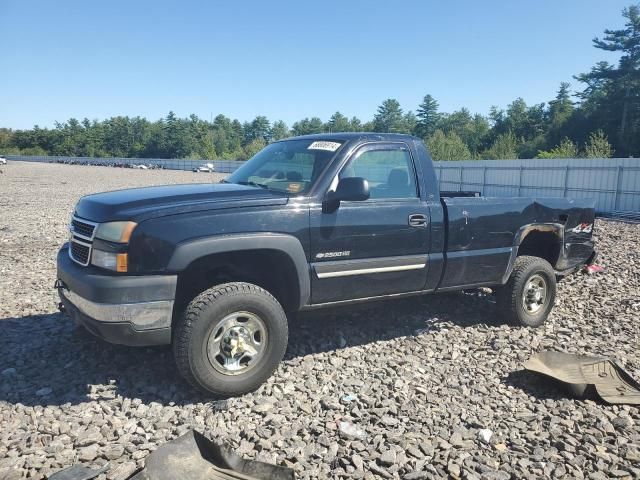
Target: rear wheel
point(528, 297)
point(230, 339)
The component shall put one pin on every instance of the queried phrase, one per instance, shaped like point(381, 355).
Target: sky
point(288, 60)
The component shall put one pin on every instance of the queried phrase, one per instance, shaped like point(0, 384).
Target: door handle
point(418, 220)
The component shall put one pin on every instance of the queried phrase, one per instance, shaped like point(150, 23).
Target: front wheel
point(528, 297)
point(230, 339)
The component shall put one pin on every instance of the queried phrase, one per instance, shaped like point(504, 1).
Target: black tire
point(193, 330)
point(509, 297)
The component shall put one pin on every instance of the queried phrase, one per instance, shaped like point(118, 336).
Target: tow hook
point(58, 285)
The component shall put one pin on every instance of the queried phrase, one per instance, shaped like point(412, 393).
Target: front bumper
point(129, 310)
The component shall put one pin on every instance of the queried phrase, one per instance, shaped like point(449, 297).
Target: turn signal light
point(122, 262)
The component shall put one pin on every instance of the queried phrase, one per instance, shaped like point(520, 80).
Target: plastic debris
point(593, 269)
point(351, 431)
point(348, 398)
point(193, 456)
point(586, 376)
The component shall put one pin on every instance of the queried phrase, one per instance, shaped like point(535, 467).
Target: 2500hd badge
point(345, 253)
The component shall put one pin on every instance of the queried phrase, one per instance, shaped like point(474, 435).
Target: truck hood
point(142, 203)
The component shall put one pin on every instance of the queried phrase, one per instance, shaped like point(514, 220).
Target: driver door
point(377, 246)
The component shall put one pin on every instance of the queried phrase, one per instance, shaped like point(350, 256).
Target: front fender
point(188, 252)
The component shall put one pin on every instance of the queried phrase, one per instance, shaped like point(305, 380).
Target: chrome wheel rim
point(236, 343)
point(534, 295)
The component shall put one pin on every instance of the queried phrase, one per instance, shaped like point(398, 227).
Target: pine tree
point(598, 146)
point(338, 123)
point(560, 111)
point(561, 108)
point(308, 126)
point(355, 125)
point(410, 122)
point(389, 117)
point(260, 128)
point(428, 117)
point(613, 93)
point(279, 130)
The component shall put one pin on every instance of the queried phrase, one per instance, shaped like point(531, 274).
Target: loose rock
point(420, 378)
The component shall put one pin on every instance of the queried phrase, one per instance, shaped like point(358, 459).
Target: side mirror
point(351, 189)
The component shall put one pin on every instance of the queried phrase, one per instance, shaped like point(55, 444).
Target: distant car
point(141, 167)
point(3, 161)
point(207, 167)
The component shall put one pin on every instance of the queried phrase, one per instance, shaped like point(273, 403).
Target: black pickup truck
point(309, 222)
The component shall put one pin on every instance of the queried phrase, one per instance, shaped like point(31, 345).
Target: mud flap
point(585, 375)
point(193, 456)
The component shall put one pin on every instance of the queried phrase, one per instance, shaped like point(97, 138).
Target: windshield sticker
point(294, 187)
point(329, 146)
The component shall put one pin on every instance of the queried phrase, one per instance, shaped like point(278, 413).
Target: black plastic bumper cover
point(93, 285)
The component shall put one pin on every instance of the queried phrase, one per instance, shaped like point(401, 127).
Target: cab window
point(389, 172)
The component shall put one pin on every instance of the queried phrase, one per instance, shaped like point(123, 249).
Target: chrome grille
point(82, 228)
point(81, 240)
point(79, 252)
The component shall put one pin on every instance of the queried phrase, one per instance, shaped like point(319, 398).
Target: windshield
point(291, 166)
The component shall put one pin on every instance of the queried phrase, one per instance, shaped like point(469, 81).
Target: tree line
point(598, 120)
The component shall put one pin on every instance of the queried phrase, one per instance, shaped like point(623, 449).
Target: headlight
point(116, 231)
point(118, 262)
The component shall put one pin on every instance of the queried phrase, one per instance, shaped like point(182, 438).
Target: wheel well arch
point(274, 261)
point(541, 240)
point(273, 270)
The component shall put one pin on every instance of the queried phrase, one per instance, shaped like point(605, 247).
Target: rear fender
point(555, 229)
point(572, 247)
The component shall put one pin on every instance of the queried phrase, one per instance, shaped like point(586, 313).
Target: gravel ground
point(420, 379)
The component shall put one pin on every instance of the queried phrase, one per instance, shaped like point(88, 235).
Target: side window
point(389, 172)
